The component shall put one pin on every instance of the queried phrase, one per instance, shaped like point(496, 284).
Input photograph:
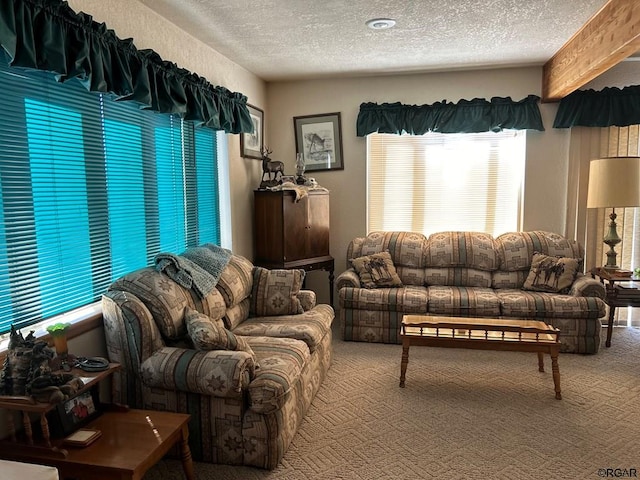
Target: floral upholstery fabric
point(462, 249)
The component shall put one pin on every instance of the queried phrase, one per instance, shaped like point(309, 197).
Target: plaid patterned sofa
point(246, 402)
point(468, 274)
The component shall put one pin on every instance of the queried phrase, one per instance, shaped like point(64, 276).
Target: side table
point(27, 406)
point(616, 295)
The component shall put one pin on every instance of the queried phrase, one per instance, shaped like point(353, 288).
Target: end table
point(617, 295)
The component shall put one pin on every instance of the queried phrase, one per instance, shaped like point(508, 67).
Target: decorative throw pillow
point(376, 270)
point(208, 334)
point(275, 292)
point(551, 274)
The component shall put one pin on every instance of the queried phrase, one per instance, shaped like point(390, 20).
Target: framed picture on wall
point(319, 140)
point(252, 143)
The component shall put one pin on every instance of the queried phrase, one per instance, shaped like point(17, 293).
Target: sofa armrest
point(307, 299)
point(585, 286)
point(348, 278)
point(219, 373)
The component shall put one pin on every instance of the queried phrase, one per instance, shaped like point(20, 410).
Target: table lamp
point(614, 182)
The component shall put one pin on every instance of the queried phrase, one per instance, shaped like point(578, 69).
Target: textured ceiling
point(297, 39)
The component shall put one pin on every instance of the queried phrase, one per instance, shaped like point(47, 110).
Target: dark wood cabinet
point(293, 234)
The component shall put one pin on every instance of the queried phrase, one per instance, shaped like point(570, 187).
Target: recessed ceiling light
point(380, 23)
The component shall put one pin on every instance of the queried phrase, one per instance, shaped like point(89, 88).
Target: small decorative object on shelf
point(82, 437)
point(300, 167)
point(270, 168)
point(63, 360)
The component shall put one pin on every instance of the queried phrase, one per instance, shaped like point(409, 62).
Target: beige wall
point(547, 152)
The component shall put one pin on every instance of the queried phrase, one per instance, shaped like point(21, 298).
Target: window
point(438, 182)
point(91, 189)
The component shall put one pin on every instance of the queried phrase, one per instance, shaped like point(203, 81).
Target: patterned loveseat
point(246, 398)
point(514, 275)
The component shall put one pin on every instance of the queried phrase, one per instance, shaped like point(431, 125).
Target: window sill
point(80, 320)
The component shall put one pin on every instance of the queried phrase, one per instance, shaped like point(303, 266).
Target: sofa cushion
point(506, 279)
point(460, 301)
point(166, 300)
point(236, 281)
point(461, 277)
point(527, 304)
point(407, 250)
point(237, 314)
point(376, 270)
point(551, 274)
point(407, 299)
point(310, 326)
point(281, 363)
point(275, 292)
point(209, 334)
point(462, 249)
point(515, 249)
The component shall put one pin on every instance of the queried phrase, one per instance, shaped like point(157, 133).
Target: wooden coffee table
point(482, 334)
point(128, 447)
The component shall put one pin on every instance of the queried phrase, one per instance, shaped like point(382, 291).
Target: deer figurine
point(270, 167)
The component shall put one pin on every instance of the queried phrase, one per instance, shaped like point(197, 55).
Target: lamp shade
point(614, 182)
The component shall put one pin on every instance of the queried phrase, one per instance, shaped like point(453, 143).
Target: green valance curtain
point(49, 35)
point(466, 116)
point(608, 107)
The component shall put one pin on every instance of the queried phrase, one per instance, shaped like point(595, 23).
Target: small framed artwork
point(69, 415)
point(319, 140)
point(251, 143)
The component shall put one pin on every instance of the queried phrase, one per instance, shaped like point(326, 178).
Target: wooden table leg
point(185, 453)
point(612, 312)
point(405, 361)
point(11, 426)
point(44, 424)
point(540, 362)
point(26, 423)
point(556, 374)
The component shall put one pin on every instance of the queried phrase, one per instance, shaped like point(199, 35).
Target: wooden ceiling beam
point(609, 37)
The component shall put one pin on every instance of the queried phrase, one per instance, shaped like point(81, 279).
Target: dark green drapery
point(466, 116)
point(49, 35)
point(608, 107)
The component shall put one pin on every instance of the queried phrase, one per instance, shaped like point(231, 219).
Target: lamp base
point(612, 239)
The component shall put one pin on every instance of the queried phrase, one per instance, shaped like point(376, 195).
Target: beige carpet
point(464, 414)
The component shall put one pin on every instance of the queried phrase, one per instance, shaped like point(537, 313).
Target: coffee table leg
point(185, 451)
point(405, 361)
point(556, 374)
point(540, 362)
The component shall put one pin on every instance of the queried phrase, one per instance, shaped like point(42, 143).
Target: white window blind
point(445, 182)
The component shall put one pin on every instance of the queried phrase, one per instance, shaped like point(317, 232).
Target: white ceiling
point(297, 39)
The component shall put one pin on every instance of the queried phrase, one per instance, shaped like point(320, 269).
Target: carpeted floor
point(464, 414)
